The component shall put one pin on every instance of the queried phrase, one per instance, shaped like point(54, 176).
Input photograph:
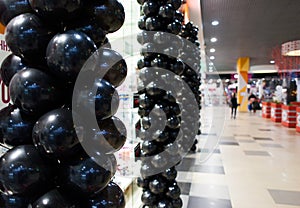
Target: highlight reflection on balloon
point(34, 92)
point(24, 172)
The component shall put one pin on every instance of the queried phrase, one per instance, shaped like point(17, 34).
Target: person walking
point(234, 105)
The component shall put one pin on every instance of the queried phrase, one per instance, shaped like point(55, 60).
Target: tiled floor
point(249, 162)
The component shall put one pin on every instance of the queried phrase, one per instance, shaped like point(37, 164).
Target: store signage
point(4, 93)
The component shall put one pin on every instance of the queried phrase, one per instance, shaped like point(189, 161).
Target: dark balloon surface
point(54, 134)
point(83, 176)
point(111, 196)
point(109, 14)
point(34, 92)
point(27, 36)
point(67, 52)
point(12, 201)
point(12, 8)
point(17, 128)
point(24, 172)
point(56, 10)
point(52, 199)
point(10, 66)
point(4, 113)
point(110, 66)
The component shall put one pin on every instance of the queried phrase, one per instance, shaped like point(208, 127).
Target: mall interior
point(150, 104)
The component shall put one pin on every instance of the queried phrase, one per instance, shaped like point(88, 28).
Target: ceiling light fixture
point(215, 22)
point(272, 62)
point(212, 58)
point(212, 50)
point(291, 48)
point(213, 40)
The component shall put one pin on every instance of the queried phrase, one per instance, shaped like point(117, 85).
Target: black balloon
point(170, 174)
point(85, 175)
point(34, 92)
point(153, 23)
point(57, 10)
point(150, 8)
point(110, 137)
point(164, 203)
point(4, 113)
point(167, 11)
point(12, 201)
point(149, 198)
point(158, 185)
point(175, 27)
point(10, 66)
point(28, 37)
point(109, 14)
point(177, 203)
point(12, 8)
point(149, 147)
point(67, 52)
point(109, 65)
point(24, 172)
point(173, 191)
point(52, 199)
point(142, 22)
point(175, 3)
point(17, 128)
point(111, 196)
point(54, 134)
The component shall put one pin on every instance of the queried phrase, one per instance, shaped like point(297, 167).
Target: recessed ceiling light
point(272, 62)
point(211, 64)
point(211, 68)
point(211, 57)
point(213, 40)
point(215, 22)
point(212, 50)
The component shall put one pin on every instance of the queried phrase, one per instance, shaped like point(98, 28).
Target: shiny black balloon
point(150, 8)
point(24, 172)
point(153, 24)
point(149, 147)
point(145, 101)
point(159, 62)
point(175, 27)
point(170, 174)
point(10, 66)
point(175, 3)
point(4, 113)
point(158, 185)
point(111, 196)
point(35, 92)
point(109, 14)
point(54, 134)
point(12, 8)
point(153, 89)
point(17, 128)
point(27, 37)
point(173, 191)
point(52, 199)
point(110, 137)
point(91, 28)
point(106, 100)
point(164, 203)
point(142, 22)
point(167, 11)
point(67, 52)
point(173, 122)
point(179, 16)
point(12, 201)
point(109, 65)
point(142, 183)
point(85, 175)
point(160, 136)
point(177, 67)
point(149, 198)
point(57, 10)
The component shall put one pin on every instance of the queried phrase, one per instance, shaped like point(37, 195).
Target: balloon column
point(192, 76)
point(46, 164)
point(168, 117)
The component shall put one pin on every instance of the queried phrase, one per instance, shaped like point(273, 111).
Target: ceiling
point(247, 28)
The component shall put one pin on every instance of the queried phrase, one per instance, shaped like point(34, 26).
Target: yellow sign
point(243, 66)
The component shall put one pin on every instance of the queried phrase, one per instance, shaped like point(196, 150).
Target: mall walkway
point(256, 164)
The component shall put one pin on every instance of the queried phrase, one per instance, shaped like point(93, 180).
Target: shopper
point(251, 99)
point(234, 105)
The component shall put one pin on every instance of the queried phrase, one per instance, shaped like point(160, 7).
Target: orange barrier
point(288, 117)
point(295, 103)
point(298, 119)
point(276, 112)
point(266, 109)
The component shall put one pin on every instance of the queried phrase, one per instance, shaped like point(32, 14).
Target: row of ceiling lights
point(214, 39)
point(212, 50)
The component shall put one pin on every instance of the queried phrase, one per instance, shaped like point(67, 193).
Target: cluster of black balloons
point(46, 165)
point(191, 75)
point(163, 133)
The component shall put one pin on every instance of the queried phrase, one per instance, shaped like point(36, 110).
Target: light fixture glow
point(272, 62)
point(211, 57)
point(215, 22)
point(213, 40)
point(212, 50)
